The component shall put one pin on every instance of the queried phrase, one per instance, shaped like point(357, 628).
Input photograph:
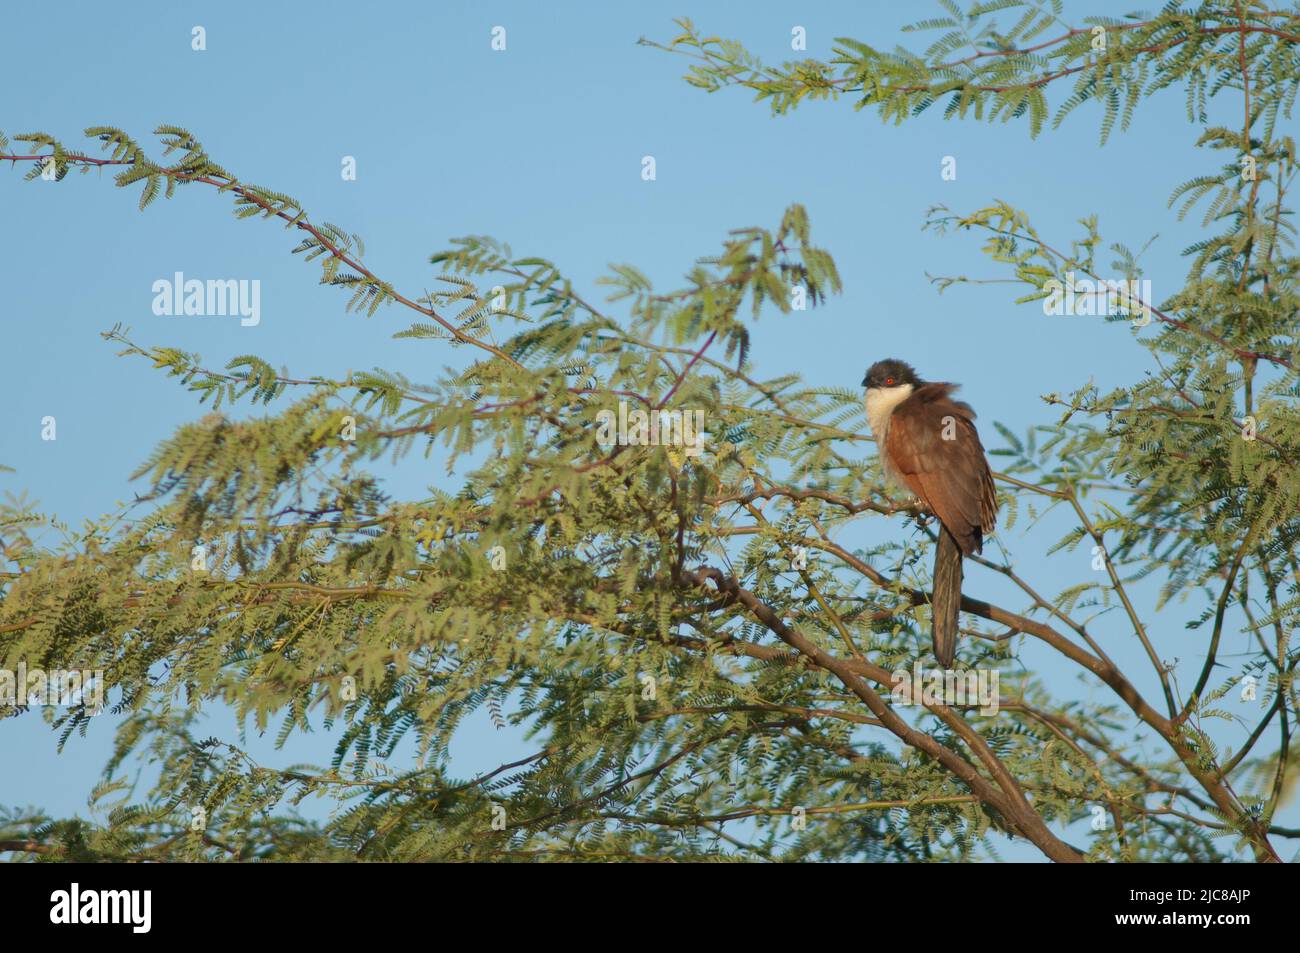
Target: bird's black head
point(890, 373)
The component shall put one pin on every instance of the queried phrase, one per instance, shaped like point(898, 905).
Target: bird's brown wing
point(933, 443)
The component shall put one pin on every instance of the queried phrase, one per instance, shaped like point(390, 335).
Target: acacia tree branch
point(1005, 796)
point(1209, 777)
point(299, 221)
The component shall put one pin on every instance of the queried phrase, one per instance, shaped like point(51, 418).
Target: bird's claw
point(920, 512)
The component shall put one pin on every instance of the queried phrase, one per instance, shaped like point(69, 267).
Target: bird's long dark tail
point(945, 606)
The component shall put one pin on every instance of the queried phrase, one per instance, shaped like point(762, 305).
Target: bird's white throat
point(881, 402)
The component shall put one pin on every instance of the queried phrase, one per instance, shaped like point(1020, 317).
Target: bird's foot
point(920, 512)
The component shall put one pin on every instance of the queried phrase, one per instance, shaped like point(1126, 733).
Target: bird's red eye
point(889, 382)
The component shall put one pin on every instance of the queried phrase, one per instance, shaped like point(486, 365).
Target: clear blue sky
point(540, 146)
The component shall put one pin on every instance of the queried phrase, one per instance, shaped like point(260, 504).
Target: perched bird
point(928, 445)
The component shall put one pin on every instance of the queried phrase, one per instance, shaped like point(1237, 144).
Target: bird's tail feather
point(945, 606)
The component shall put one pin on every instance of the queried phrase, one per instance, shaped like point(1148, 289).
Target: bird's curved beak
point(864, 382)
